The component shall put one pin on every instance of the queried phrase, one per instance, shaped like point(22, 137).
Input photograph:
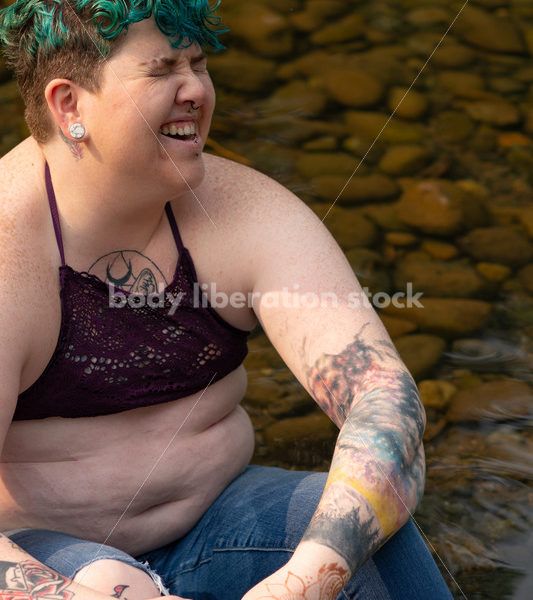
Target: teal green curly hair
point(45, 39)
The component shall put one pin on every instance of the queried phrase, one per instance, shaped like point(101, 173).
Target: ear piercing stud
point(77, 131)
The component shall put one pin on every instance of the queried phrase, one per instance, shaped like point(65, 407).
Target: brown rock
point(459, 82)
point(449, 317)
point(369, 270)
point(317, 13)
point(452, 279)
point(400, 238)
point(397, 327)
point(496, 400)
point(352, 87)
point(296, 96)
point(407, 104)
point(439, 250)
point(526, 218)
point(525, 276)
point(453, 55)
point(420, 352)
point(502, 245)
point(311, 65)
point(369, 125)
point(436, 393)
point(301, 439)
point(241, 71)
point(316, 164)
point(429, 15)
point(493, 272)
point(405, 160)
point(324, 143)
point(495, 112)
point(438, 207)
point(265, 32)
point(349, 28)
point(453, 126)
point(360, 189)
point(489, 32)
point(385, 216)
point(350, 228)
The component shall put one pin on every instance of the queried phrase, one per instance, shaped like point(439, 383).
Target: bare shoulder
point(20, 183)
point(255, 197)
point(20, 220)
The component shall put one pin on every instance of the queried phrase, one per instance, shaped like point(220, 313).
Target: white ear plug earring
point(77, 131)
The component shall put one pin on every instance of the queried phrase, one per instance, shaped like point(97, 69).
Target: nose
point(192, 91)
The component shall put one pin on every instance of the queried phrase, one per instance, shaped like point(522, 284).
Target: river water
point(407, 125)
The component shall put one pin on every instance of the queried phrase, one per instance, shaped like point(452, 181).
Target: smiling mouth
point(185, 134)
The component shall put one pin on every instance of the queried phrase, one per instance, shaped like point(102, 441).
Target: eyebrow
point(168, 61)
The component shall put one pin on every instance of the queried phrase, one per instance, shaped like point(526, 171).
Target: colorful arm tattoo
point(30, 580)
point(377, 472)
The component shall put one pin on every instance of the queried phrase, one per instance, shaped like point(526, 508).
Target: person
point(124, 467)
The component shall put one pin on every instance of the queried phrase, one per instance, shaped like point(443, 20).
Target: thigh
point(94, 565)
point(252, 529)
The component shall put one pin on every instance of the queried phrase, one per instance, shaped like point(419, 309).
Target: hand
point(298, 582)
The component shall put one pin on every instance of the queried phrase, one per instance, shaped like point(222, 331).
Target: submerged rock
point(240, 71)
point(407, 104)
point(316, 164)
point(296, 97)
point(436, 393)
point(489, 32)
point(350, 229)
point(360, 189)
point(370, 125)
point(266, 32)
point(301, 440)
point(449, 317)
point(351, 87)
point(496, 400)
point(453, 279)
point(495, 112)
point(397, 327)
point(439, 207)
point(503, 245)
point(420, 352)
point(405, 160)
point(349, 28)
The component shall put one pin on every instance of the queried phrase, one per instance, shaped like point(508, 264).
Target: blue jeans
point(249, 532)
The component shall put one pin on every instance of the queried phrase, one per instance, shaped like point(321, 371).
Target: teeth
point(174, 130)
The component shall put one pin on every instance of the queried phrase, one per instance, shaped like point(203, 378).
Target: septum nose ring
point(194, 107)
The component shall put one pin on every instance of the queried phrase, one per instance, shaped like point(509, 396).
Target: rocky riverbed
point(407, 125)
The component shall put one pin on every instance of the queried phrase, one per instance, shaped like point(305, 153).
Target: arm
point(341, 353)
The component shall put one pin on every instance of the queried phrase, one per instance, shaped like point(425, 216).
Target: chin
point(191, 170)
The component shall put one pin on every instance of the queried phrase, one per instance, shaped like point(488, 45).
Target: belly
point(136, 479)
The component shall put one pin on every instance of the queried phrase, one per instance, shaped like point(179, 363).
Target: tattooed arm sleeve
point(24, 578)
point(377, 472)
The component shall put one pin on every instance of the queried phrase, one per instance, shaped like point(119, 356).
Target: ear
point(63, 99)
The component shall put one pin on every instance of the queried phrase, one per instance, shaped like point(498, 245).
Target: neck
point(102, 210)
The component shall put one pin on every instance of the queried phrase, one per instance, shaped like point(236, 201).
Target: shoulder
point(269, 226)
point(252, 197)
point(21, 224)
point(21, 184)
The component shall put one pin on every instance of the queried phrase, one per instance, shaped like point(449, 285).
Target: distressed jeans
point(249, 532)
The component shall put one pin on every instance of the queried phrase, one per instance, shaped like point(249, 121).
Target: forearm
point(27, 577)
point(368, 496)
point(377, 472)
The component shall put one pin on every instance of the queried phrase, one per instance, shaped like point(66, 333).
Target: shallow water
point(442, 197)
